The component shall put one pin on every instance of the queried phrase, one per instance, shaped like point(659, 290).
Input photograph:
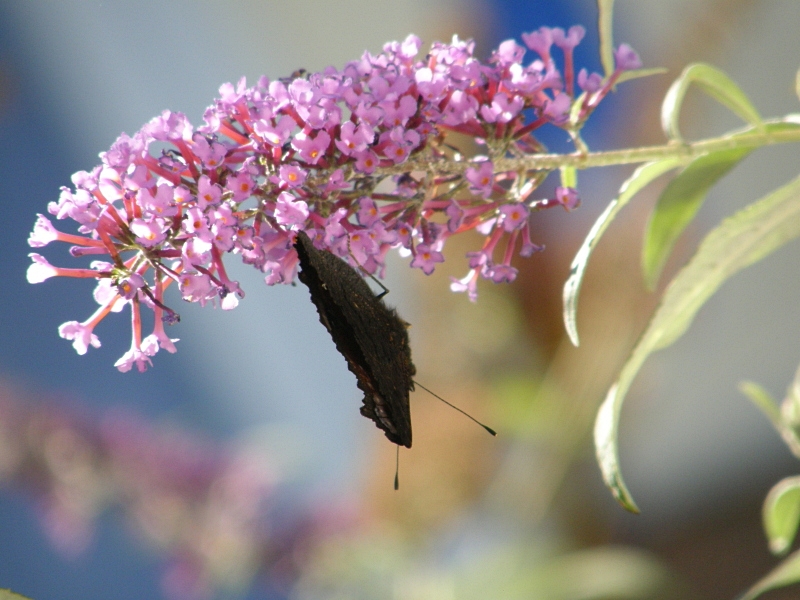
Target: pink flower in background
point(194, 503)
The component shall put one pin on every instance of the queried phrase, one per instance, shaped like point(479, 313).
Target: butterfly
point(370, 335)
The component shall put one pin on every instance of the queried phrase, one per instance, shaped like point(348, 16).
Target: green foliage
point(713, 82)
point(636, 182)
point(786, 573)
point(781, 514)
point(783, 420)
point(763, 401)
point(678, 205)
point(639, 73)
point(741, 240)
point(738, 242)
point(781, 510)
point(683, 197)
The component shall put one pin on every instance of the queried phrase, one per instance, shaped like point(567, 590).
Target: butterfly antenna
point(383, 287)
point(466, 414)
point(361, 268)
point(397, 469)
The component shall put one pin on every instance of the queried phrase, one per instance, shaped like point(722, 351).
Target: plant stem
point(746, 138)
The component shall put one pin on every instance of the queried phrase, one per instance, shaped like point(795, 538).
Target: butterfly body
point(371, 336)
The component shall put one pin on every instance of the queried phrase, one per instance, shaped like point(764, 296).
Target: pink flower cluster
point(357, 158)
point(209, 511)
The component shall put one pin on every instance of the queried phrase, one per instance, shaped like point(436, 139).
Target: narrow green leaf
point(761, 398)
point(640, 178)
point(739, 241)
point(605, 27)
point(713, 82)
point(681, 200)
point(786, 573)
point(790, 410)
point(606, 429)
point(781, 514)
point(639, 73)
point(766, 403)
point(678, 205)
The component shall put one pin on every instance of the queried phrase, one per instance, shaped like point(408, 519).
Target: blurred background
point(240, 467)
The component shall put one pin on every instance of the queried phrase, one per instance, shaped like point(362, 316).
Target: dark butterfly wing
point(367, 333)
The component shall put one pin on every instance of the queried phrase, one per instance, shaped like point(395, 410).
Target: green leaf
point(739, 241)
point(713, 82)
point(781, 514)
point(766, 403)
point(6, 594)
point(678, 205)
point(605, 27)
point(761, 398)
point(640, 178)
point(684, 196)
point(639, 73)
point(786, 573)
